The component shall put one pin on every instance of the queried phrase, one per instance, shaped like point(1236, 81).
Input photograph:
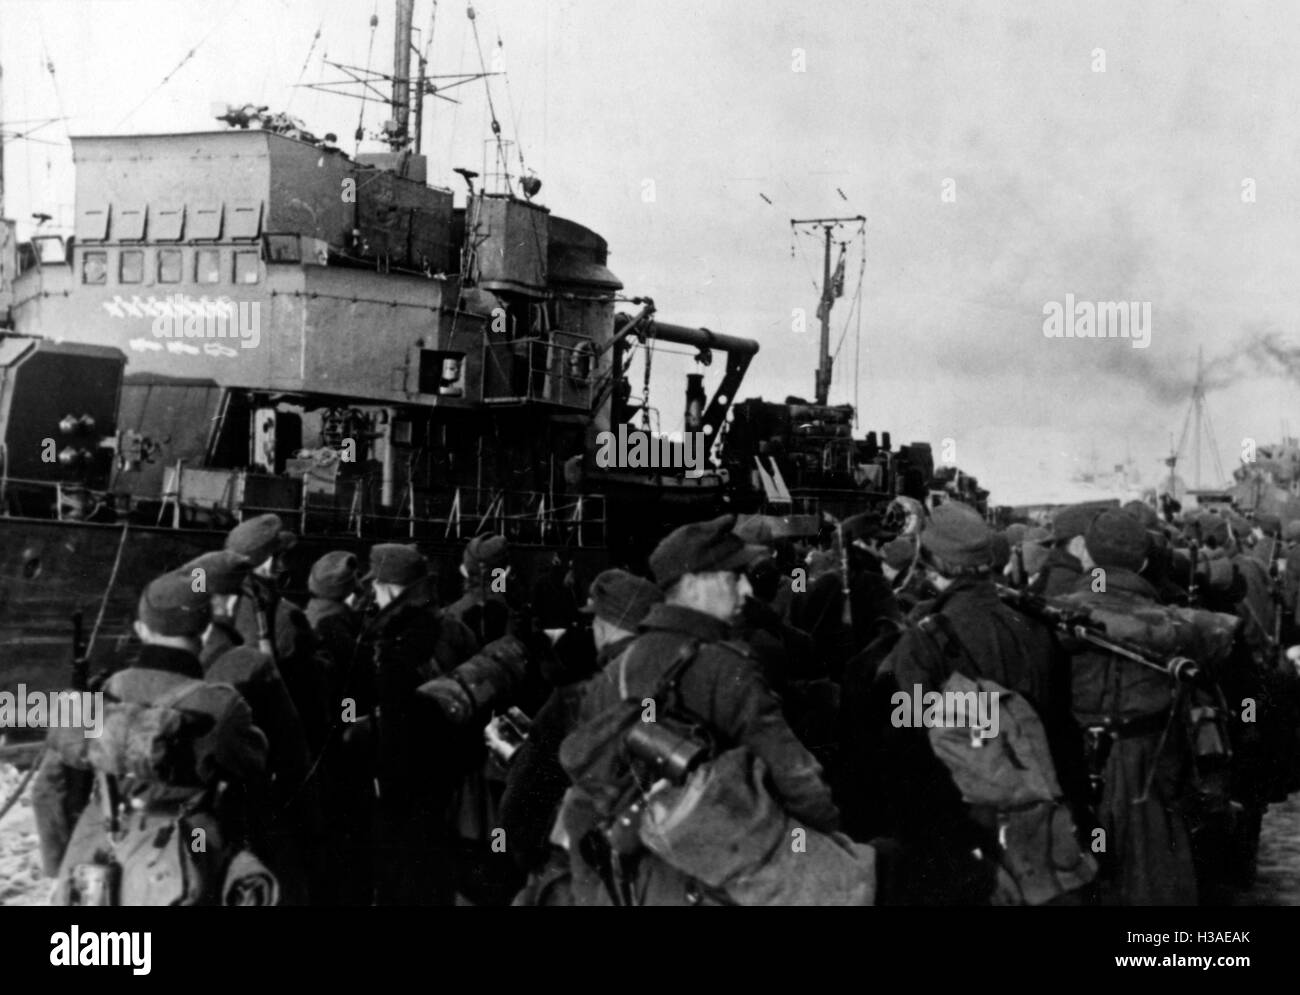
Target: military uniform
point(725, 688)
point(417, 753)
point(292, 645)
point(231, 748)
point(536, 782)
point(1148, 858)
point(944, 844)
point(347, 782)
point(722, 686)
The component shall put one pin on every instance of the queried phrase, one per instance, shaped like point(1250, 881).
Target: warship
point(247, 319)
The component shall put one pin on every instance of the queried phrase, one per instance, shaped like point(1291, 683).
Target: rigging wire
point(487, 86)
point(510, 102)
point(305, 63)
point(857, 339)
point(180, 65)
point(370, 51)
point(54, 81)
point(852, 307)
point(812, 278)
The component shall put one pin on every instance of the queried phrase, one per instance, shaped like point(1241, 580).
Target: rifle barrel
point(1079, 625)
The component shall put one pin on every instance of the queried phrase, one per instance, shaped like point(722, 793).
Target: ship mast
point(401, 101)
point(1198, 420)
point(822, 386)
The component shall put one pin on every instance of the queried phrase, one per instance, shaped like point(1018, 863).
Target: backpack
point(1010, 780)
point(159, 838)
point(615, 756)
point(723, 829)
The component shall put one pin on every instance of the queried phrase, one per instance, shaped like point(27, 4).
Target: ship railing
point(557, 370)
point(524, 517)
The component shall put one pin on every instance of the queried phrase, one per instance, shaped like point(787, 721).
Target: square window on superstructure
point(94, 267)
point(207, 266)
point(170, 266)
point(246, 267)
point(130, 267)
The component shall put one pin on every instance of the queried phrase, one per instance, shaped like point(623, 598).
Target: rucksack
point(723, 829)
point(160, 839)
point(1010, 780)
point(618, 754)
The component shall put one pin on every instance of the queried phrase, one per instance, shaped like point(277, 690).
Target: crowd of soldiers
point(376, 747)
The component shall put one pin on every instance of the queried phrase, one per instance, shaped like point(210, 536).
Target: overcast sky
point(1128, 184)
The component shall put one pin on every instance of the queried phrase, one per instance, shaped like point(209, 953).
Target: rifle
point(1080, 624)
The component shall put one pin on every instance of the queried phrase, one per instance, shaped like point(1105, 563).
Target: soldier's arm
point(750, 713)
point(241, 748)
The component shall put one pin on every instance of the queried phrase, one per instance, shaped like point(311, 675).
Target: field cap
point(1073, 521)
point(702, 547)
point(260, 538)
point(171, 607)
point(223, 571)
point(486, 552)
point(1117, 540)
point(621, 598)
point(393, 563)
point(957, 534)
point(335, 575)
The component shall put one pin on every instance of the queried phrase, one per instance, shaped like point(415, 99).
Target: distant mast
point(831, 289)
point(1197, 420)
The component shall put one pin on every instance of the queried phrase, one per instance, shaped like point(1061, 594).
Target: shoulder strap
point(673, 676)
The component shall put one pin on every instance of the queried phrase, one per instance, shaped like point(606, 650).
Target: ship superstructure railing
point(444, 514)
point(559, 369)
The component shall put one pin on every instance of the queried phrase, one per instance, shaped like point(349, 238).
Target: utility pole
point(824, 361)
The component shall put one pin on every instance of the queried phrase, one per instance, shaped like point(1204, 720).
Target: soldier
point(1062, 568)
point(947, 845)
point(346, 780)
point(484, 606)
point(171, 619)
point(1290, 570)
point(491, 608)
point(1147, 844)
point(700, 568)
point(417, 756)
point(277, 627)
point(335, 586)
point(291, 814)
point(617, 603)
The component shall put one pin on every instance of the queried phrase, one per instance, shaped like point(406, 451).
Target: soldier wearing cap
point(171, 620)
point(947, 846)
point(1062, 569)
point(228, 659)
point(335, 587)
point(265, 619)
point(1148, 855)
point(617, 603)
point(294, 821)
point(486, 606)
point(346, 780)
point(416, 768)
point(700, 569)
